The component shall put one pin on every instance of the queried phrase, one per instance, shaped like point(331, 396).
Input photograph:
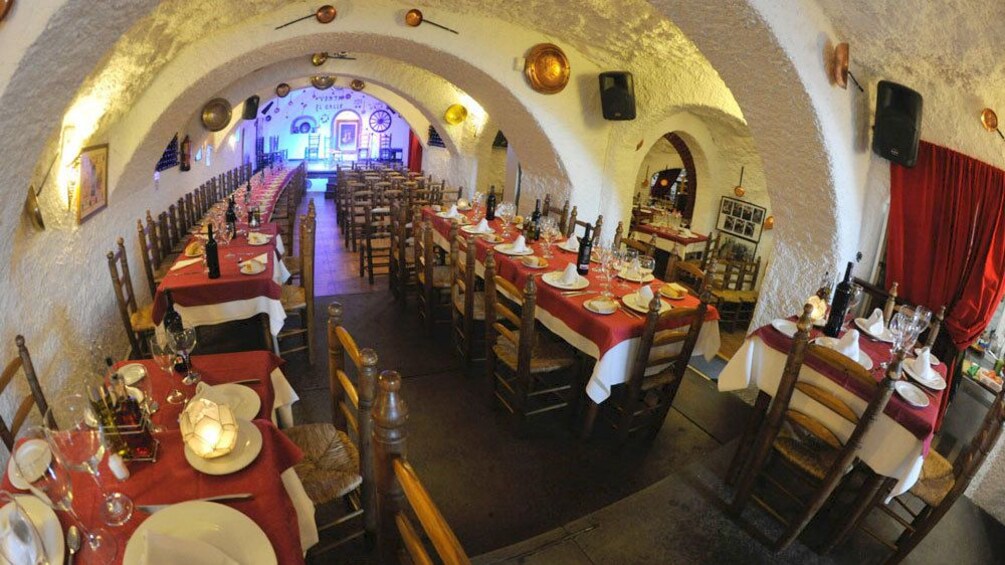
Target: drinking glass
point(647, 265)
point(901, 327)
point(629, 260)
point(505, 212)
point(604, 254)
point(183, 343)
point(476, 206)
point(50, 482)
point(77, 435)
point(164, 355)
point(854, 299)
point(22, 529)
point(549, 233)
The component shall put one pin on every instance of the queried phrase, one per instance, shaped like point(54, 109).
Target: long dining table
point(610, 339)
point(900, 438)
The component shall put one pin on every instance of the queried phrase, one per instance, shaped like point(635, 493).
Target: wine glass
point(23, 529)
point(50, 482)
point(647, 265)
point(549, 233)
point(77, 434)
point(183, 342)
point(476, 206)
point(854, 299)
point(164, 356)
point(505, 212)
point(604, 257)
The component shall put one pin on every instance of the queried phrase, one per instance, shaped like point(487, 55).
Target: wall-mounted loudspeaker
point(898, 123)
point(617, 95)
point(251, 108)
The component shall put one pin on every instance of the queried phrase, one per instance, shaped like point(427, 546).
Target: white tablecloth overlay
point(304, 508)
point(283, 398)
point(889, 448)
point(611, 369)
point(671, 246)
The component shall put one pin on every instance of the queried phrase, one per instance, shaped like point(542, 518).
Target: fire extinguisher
point(186, 154)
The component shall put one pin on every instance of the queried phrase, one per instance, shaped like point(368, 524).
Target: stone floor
point(551, 498)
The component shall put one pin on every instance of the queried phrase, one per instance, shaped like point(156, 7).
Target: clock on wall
point(380, 121)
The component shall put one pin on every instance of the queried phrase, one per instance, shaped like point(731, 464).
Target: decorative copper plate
point(413, 17)
point(547, 68)
point(455, 114)
point(326, 14)
point(216, 114)
point(322, 82)
point(5, 6)
point(989, 119)
point(319, 59)
point(357, 84)
point(282, 89)
point(840, 62)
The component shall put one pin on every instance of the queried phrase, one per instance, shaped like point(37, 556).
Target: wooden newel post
point(367, 391)
point(390, 413)
point(336, 362)
point(891, 303)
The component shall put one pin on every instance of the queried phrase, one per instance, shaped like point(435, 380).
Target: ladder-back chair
point(137, 321)
point(468, 312)
point(298, 300)
point(22, 363)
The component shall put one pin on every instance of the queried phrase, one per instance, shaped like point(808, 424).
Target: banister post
point(390, 413)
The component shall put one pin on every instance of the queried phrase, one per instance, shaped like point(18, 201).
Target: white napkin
point(162, 549)
point(875, 323)
point(520, 244)
point(462, 203)
point(185, 263)
point(684, 232)
point(572, 244)
point(21, 552)
point(645, 296)
point(569, 275)
point(263, 259)
point(923, 364)
point(848, 345)
point(483, 226)
point(451, 212)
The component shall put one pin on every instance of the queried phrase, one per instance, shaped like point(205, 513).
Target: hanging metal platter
point(5, 6)
point(216, 114)
point(322, 82)
point(547, 68)
point(282, 89)
point(989, 119)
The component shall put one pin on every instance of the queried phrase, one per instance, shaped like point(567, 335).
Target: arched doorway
point(668, 176)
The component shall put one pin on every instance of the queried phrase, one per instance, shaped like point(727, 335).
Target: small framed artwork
point(347, 135)
point(727, 207)
point(748, 229)
point(748, 213)
point(92, 192)
point(729, 224)
point(741, 219)
point(758, 216)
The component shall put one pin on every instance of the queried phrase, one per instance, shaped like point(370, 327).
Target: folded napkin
point(875, 323)
point(686, 233)
point(923, 364)
point(463, 203)
point(520, 244)
point(848, 345)
point(28, 550)
point(572, 243)
point(451, 212)
point(263, 259)
point(209, 392)
point(185, 263)
point(569, 275)
point(645, 295)
point(483, 226)
point(162, 549)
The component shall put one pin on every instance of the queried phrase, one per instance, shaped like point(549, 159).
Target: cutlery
point(625, 309)
point(245, 382)
point(578, 293)
point(151, 508)
point(72, 542)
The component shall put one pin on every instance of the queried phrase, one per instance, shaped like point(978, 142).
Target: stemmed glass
point(77, 435)
point(506, 211)
point(629, 259)
point(853, 301)
point(23, 530)
point(163, 355)
point(549, 233)
point(183, 343)
point(647, 265)
point(50, 482)
point(605, 256)
point(476, 206)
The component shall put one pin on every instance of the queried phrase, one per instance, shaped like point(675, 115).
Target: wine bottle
point(172, 319)
point(212, 255)
point(840, 304)
point(231, 218)
point(585, 249)
point(535, 222)
point(490, 204)
point(824, 292)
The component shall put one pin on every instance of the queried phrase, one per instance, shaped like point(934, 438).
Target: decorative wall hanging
point(547, 68)
point(413, 18)
point(92, 190)
point(839, 73)
point(500, 140)
point(170, 156)
point(319, 59)
point(989, 119)
point(5, 6)
point(325, 15)
point(322, 82)
point(282, 89)
point(741, 219)
point(303, 124)
point(769, 223)
point(34, 211)
point(185, 154)
point(455, 114)
point(434, 138)
point(738, 190)
point(357, 84)
point(380, 121)
point(216, 114)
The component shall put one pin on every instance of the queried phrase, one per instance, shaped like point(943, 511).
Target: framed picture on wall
point(727, 207)
point(348, 133)
point(92, 191)
point(741, 219)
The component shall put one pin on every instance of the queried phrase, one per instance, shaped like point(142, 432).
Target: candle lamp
point(209, 429)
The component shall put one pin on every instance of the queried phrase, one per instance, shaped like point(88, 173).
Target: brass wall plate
point(282, 90)
point(319, 59)
point(216, 114)
point(839, 64)
point(989, 119)
point(5, 6)
point(326, 14)
point(322, 82)
point(34, 212)
point(547, 68)
point(357, 84)
point(455, 114)
point(413, 17)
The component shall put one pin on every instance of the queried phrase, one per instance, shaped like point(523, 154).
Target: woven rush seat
point(805, 451)
point(547, 355)
point(936, 479)
point(441, 276)
point(293, 297)
point(330, 467)
point(479, 305)
point(142, 320)
point(292, 264)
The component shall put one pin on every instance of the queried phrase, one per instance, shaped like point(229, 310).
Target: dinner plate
point(243, 401)
point(40, 456)
point(474, 229)
point(830, 343)
point(192, 254)
point(886, 336)
point(564, 247)
point(933, 382)
point(600, 306)
point(260, 240)
point(911, 393)
point(132, 373)
point(249, 445)
point(632, 278)
point(786, 327)
point(459, 217)
point(554, 278)
point(507, 249)
point(45, 522)
point(635, 303)
point(931, 357)
point(252, 267)
point(534, 262)
point(664, 293)
point(491, 237)
point(221, 526)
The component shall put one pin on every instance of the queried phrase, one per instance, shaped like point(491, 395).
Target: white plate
point(635, 303)
point(249, 445)
point(786, 327)
point(507, 249)
point(243, 401)
point(193, 255)
point(260, 242)
point(45, 522)
point(220, 526)
point(830, 343)
point(532, 262)
point(886, 336)
point(252, 267)
point(563, 247)
point(931, 357)
point(632, 278)
point(133, 373)
point(491, 238)
point(664, 294)
point(460, 218)
point(911, 393)
point(554, 278)
point(589, 305)
point(474, 229)
point(933, 382)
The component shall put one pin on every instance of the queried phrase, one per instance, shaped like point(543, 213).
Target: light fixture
point(455, 114)
point(989, 119)
point(838, 63)
point(738, 190)
point(413, 18)
point(769, 223)
point(209, 429)
point(325, 15)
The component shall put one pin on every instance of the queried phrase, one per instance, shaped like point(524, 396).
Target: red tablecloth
point(171, 479)
point(604, 331)
point(919, 421)
point(215, 370)
point(671, 234)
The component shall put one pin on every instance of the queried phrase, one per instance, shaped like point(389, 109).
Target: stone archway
point(692, 173)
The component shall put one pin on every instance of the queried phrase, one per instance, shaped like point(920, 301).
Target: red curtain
point(414, 153)
point(946, 238)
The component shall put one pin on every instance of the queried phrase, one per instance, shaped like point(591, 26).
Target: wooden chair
point(183, 223)
point(400, 492)
point(433, 278)
point(375, 245)
point(808, 448)
point(737, 297)
point(293, 262)
point(562, 214)
point(150, 253)
point(644, 247)
point(877, 297)
point(531, 374)
point(401, 269)
point(193, 214)
point(688, 275)
point(468, 313)
point(175, 232)
point(138, 322)
point(574, 221)
point(21, 363)
point(711, 250)
point(298, 300)
point(164, 239)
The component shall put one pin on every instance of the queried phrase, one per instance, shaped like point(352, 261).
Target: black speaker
point(251, 108)
point(898, 123)
point(617, 95)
